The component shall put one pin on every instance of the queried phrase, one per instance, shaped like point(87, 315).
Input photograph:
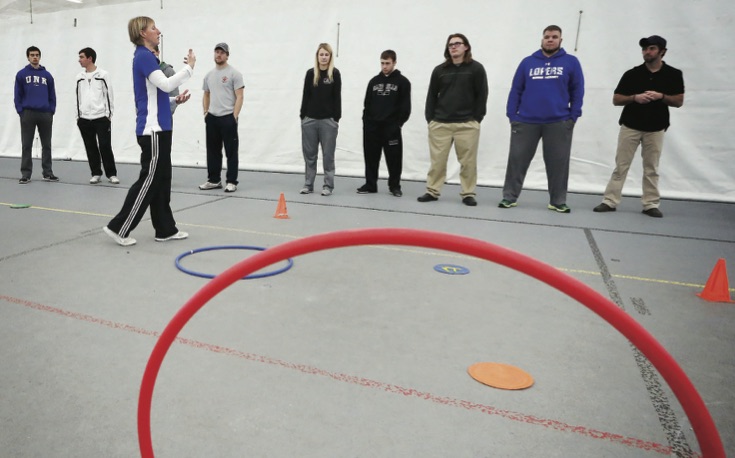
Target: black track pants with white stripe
point(153, 189)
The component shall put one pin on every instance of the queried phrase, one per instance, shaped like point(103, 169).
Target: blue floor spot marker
point(451, 269)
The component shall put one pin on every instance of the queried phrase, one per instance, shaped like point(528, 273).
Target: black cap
point(654, 40)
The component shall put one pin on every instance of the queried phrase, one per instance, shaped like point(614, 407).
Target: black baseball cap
point(654, 40)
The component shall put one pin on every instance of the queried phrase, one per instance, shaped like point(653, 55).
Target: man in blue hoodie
point(35, 102)
point(544, 102)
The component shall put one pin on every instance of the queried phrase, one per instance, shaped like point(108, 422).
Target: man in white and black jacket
point(94, 116)
point(387, 108)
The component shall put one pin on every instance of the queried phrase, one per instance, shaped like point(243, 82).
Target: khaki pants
point(651, 146)
point(466, 139)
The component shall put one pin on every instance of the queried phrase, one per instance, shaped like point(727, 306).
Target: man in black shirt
point(646, 92)
point(387, 108)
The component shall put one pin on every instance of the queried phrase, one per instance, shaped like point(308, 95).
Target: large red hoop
point(694, 407)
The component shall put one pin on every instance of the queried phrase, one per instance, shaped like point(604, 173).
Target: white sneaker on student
point(177, 236)
point(231, 187)
point(95, 179)
point(113, 179)
point(209, 185)
point(122, 241)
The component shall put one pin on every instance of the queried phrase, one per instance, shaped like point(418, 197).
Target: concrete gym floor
point(360, 351)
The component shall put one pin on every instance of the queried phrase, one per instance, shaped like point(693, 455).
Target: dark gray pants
point(29, 121)
point(557, 148)
point(315, 132)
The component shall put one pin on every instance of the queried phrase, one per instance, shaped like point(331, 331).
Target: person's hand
point(645, 97)
point(653, 95)
point(183, 97)
point(190, 59)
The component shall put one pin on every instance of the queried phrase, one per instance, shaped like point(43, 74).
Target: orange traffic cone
point(717, 288)
point(281, 212)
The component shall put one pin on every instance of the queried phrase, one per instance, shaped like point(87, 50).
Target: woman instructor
point(153, 129)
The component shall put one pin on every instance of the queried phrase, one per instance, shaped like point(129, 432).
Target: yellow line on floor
point(390, 248)
point(244, 231)
point(59, 210)
point(643, 279)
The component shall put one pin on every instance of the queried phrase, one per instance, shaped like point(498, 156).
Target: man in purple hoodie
point(35, 102)
point(544, 102)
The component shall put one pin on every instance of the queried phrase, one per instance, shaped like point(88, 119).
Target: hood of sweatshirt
point(394, 74)
point(40, 68)
point(540, 54)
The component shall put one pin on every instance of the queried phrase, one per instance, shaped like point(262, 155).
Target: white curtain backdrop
point(273, 44)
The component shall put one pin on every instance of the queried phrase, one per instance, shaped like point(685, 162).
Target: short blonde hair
point(135, 26)
point(330, 69)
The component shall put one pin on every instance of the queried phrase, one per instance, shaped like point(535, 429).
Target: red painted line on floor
point(408, 392)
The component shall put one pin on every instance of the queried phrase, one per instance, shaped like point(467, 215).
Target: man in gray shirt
point(223, 96)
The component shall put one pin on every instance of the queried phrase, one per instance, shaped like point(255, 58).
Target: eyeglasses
point(455, 44)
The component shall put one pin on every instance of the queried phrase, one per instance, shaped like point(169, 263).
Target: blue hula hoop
point(229, 247)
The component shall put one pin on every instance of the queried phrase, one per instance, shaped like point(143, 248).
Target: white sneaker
point(95, 179)
point(231, 187)
point(326, 192)
point(208, 185)
point(122, 241)
point(177, 236)
point(306, 190)
point(113, 179)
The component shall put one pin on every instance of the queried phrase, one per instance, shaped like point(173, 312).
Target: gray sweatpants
point(557, 148)
point(313, 133)
point(29, 120)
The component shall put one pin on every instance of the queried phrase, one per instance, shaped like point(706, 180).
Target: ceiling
point(24, 7)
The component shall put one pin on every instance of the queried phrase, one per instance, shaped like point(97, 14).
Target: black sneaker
point(427, 198)
point(24, 180)
point(396, 192)
point(602, 208)
point(51, 177)
point(653, 212)
point(469, 201)
point(364, 189)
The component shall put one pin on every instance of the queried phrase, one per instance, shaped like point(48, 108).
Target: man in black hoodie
point(387, 108)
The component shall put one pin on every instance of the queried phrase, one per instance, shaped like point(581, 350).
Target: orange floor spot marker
point(281, 212)
point(717, 289)
point(500, 375)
